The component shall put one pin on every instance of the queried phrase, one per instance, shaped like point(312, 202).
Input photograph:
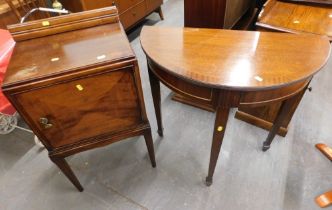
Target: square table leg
point(218, 136)
point(155, 89)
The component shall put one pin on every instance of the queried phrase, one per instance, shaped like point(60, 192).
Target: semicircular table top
point(243, 60)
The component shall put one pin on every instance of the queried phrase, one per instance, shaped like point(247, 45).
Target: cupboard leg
point(64, 167)
point(149, 145)
point(160, 12)
point(282, 114)
point(155, 89)
point(218, 136)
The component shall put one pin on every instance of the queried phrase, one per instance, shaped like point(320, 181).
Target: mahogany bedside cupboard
point(75, 81)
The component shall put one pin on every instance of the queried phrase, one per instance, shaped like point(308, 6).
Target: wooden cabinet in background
point(217, 13)
point(130, 11)
point(280, 16)
point(76, 101)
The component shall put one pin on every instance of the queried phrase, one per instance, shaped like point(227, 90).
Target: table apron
point(216, 97)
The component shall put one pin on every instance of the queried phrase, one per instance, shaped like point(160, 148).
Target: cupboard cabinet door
point(87, 107)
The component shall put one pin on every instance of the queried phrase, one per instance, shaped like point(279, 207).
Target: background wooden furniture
point(229, 68)
point(322, 2)
point(293, 18)
point(76, 101)
point(21, 7)
point(11, 11)
point(17, 11)
point(216, 13)
point(131, 11)
point(325, 199)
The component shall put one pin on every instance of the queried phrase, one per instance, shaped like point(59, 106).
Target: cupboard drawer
point(133, 15)
point(153, 4)
point(93, 4)
point(83, 108)
point(127, 4)
point(122, 5)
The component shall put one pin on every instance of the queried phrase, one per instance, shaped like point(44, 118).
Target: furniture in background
point(325, 199)
point(228, 68)
point(279, 16)
point(76, 101)
point(226, 14)
point(131, 11)
point(22, 7)
point(296, 18)
point(322, 2)
point(16, 11)
point(7, 15)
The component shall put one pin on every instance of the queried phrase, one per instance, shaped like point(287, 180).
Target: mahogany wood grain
point(280, 16)
point(296, 18)
point(203, 56)
point(11, 12)
point(21, 7)
point(231, 69)
point(54, 25)
point(78, 88)
point(109, 101)
point(200, 14)
point(131, 12)
point(230, 14)
point(217, 13)
point(7, 18)
point(264, 116)
point(58, 53)
point(319, 2)
point(130, 17)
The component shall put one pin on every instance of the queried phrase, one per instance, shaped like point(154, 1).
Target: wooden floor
point(287, 177)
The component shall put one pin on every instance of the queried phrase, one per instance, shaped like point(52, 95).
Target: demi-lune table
point(230, 69)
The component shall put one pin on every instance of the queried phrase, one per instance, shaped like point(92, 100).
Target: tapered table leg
point(155, 89)
point(65, 168)
point(281, 116)
point(149, 145)
point(160, 12)
point(218, 136)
